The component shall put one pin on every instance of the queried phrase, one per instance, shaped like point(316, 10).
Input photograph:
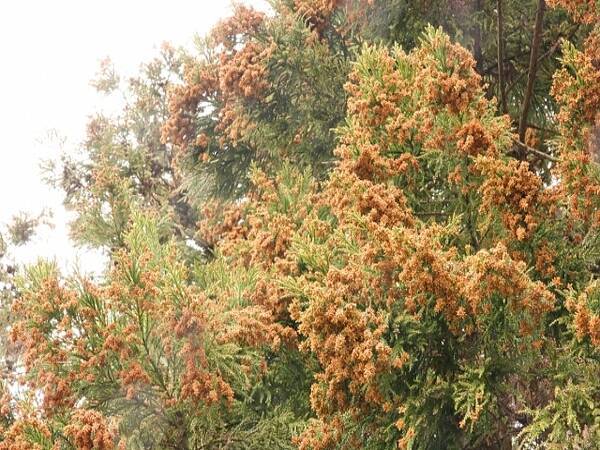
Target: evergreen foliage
point(385, 260)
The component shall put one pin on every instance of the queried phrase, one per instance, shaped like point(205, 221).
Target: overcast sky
point(50, 51)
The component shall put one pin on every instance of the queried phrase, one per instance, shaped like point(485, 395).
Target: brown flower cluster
point(243, 77)
point(492, 275)
point(585, 11)
point(452, 90)
point(382, 204)
point(89, 430)
point(233, 31)
point(244, 74)
point(144, 333)
point(474, 139)
point(45, 347)
point(222, 224)
point(317, 12)
point(427, 101)
point(236, 73)
point(15, 437)
point(257, 326)
point(580, 187)
point(514, 190)
point(576, 88)
point(465, 291)
point(430, 275)
point(323, 436)
point(257, 234)
point(586, 310)
point(578, 92)
point(185, 101)
point(380, 259)
point(242, 68)
point(385, 265)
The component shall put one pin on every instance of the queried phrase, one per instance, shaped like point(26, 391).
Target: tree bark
point(477, 50)
point(501, 79)
point(533, 65)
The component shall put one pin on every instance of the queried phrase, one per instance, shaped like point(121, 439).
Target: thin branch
point(535, 151)
point(501, 80)
point(553, 48)
point(432, 214)
point(507, 59)
point(544, 129)
point(533, 64)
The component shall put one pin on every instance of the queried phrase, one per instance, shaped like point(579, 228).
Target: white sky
point(50, 51)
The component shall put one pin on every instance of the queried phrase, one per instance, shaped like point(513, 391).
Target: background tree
point(122, 163)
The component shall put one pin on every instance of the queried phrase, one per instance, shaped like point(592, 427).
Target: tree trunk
point(533, 65)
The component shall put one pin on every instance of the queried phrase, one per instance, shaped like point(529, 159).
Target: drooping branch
point(533, 65)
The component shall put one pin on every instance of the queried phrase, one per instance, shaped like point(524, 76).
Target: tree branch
point(477, 50)
point(548, 53)
point(432, 214)
point(544, 129)
point(533, 64)
point(501, 80)
point(524, 147)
